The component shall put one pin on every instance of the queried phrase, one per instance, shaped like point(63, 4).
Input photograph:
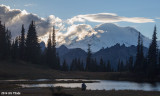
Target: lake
point(101, 85)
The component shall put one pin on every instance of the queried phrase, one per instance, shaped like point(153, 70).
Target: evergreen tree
point(49, 52)
point(5, 42)
point(130, 64)
point(102, 67)
point(58, 62)
point(54, 57)
point(64, 66)
point(145, 63)
point(8, 42)
point(121, 66)
point(32, 46)
point(82, 66)
point(22, 44)
point(76, 65)
point(108, 66)
point(118, 66)
point(72, 65)
point(126, 67)
point(88, 60)
point(15, 49)
point(141, 50)
point(2, 42)
point(138, 56)
point(94, 66)
point(142, 62)
point(152, 57)
point(159, 63)
point(43, 57)
point(139, 63)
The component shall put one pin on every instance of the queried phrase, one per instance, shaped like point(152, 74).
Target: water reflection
point(27, 80)
point(103, 85)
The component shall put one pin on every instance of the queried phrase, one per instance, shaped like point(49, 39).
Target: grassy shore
point(58, 91)
point(45, 82)
point(23, 70)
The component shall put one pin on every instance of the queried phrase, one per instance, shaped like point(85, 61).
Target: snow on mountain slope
point(109, 34)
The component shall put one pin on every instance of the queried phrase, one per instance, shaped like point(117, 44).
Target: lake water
point(102, 85)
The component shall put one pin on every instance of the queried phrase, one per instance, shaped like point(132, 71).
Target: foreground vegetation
point(8, 71)
point(59, 91)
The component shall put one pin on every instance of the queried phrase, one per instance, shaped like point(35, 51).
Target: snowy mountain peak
point(110, 27)
point(63, 47)
point(106, 26)
point(109, 34)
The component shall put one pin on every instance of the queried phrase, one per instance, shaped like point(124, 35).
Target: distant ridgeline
point(112, 54)
point(118, 58)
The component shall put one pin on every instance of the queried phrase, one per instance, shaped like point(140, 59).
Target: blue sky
point(66, 9)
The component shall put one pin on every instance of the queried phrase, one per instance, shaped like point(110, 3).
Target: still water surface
point(102, 85)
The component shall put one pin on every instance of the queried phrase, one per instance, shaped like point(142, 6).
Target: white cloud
point(77, 32)
point(101, 31)
point(75, 19)
point(108, 18)
point(27, 5)
point(74, 33)
point(14, 18)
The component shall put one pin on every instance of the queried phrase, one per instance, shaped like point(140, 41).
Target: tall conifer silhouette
point(22, 43)
point(32, 45)
point(88, 59)
point(152, 56)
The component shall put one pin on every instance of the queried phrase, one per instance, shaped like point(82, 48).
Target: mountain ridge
point(113, 53)
point(109, 34)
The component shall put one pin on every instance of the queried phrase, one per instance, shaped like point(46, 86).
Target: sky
point(140, 14)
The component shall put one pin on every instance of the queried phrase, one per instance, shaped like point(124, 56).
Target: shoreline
point(77, 92)
point(32, 71)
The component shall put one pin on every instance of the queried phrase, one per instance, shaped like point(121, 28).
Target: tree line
point(149, 65)
point(27, 48)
